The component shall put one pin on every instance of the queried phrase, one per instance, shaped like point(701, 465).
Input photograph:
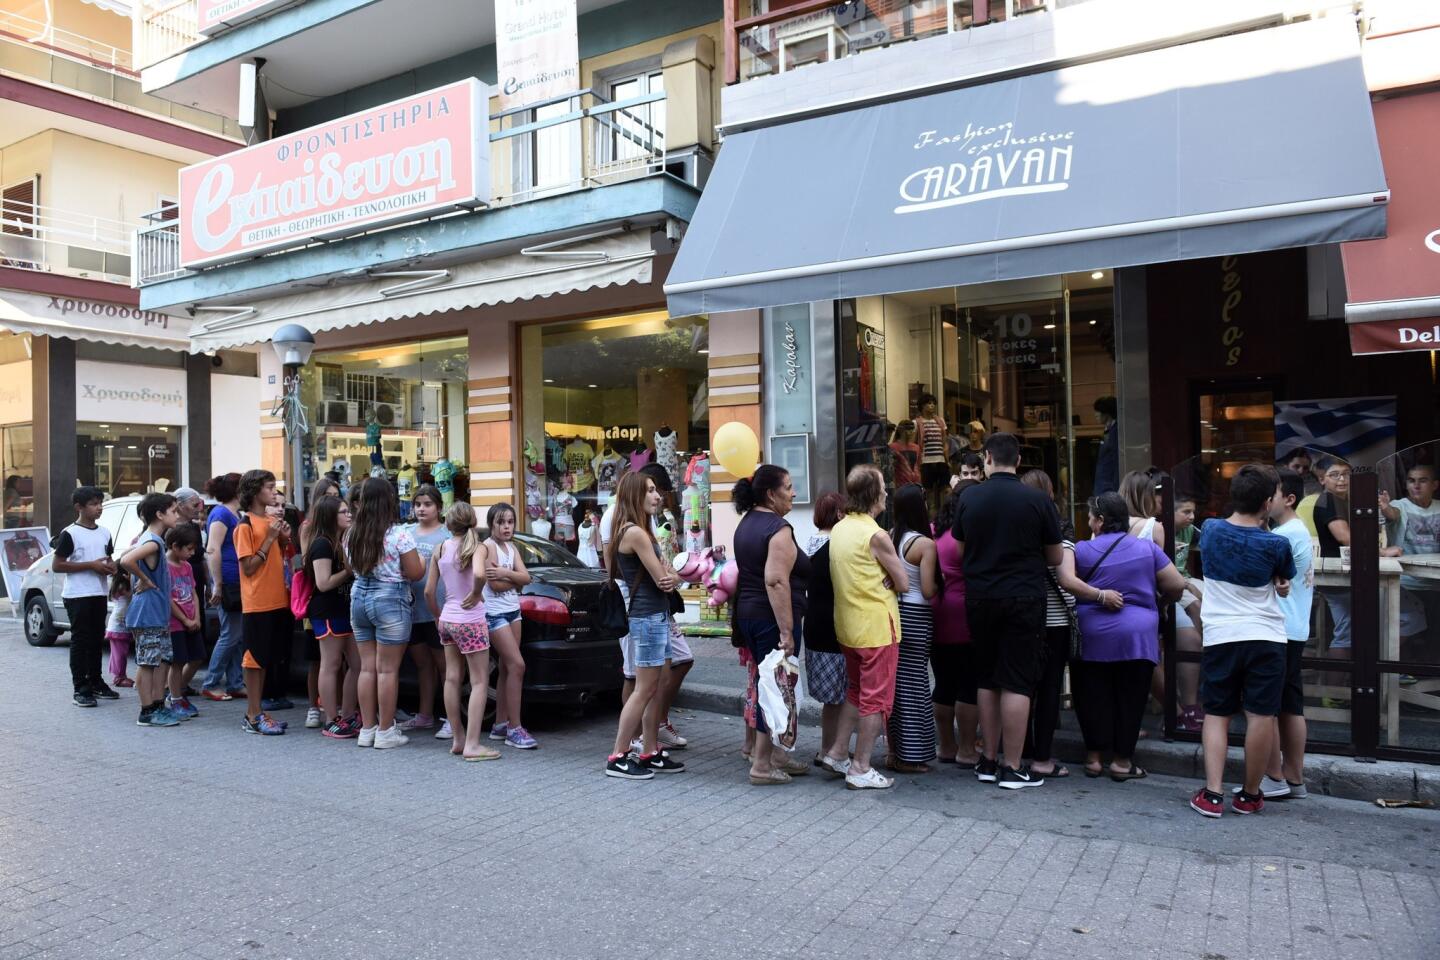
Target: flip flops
point(488, 755)
point(1136, 772)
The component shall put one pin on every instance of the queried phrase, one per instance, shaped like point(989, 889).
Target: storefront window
point(394, 411)
point(126, 458)
point(1029, 357)
point(17, 443)
point(602, 397)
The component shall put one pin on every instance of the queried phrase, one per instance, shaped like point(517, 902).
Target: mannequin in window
point(907, 454)
point(608, 466)
point(666, 452)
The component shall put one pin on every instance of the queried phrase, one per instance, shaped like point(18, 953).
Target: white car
point(39, 600)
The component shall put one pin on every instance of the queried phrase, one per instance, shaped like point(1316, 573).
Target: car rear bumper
point(569, 671)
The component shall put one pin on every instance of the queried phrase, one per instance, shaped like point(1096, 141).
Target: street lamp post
point(293, 345)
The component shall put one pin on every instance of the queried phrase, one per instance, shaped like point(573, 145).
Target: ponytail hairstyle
point(222, 489)
point(911, 513)
point(367, 531)
point(629, 509)
point(752, 492)
point(461, 521)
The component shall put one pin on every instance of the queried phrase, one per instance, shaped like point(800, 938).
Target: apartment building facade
point(94, 389)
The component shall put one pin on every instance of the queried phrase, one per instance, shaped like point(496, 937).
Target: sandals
point(773, 778)
point(1095, 773)
point(1136, 772)
point(904, 766)
point(1059, 773)
point(478, 757)
point(796, 768)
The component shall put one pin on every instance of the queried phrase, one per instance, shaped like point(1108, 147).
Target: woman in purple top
point(1119, 648)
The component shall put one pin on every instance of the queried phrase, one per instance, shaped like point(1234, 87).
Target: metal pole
point(1069, 415)
point(297, 482)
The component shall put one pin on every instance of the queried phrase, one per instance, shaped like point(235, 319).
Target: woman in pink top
point(460, 563)
point(951, 656)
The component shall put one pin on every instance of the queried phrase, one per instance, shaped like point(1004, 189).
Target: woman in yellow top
point(867, 575)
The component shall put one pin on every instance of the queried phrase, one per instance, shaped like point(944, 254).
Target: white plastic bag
point(776, 697)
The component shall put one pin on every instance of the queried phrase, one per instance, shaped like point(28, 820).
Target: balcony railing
point(162, 28)
point(558, 146)
point(817, 31)
point(55, 240)
point(47, 37)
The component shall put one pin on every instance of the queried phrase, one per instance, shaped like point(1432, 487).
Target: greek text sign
point(214, 16)
point(397, 162)
point(111, 392)
point(537, 50)
point(789, 370)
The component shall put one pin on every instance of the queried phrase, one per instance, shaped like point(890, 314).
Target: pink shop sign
point(213, 16)
point(399, 162)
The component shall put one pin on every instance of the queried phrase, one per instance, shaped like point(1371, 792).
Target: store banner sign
point(217, 16)
point(1394, 336)
point(402, 161)
point(128, 393)
point(789, 370)
point(84, 319)
point(537, 51)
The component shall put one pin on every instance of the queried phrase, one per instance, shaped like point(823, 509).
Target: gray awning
point(1251, 142)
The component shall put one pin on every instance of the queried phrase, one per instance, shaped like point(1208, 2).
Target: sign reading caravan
point(401, 161)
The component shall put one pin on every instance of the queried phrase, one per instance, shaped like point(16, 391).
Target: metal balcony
point(55, 240)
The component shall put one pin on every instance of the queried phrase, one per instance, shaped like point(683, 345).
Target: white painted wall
point(234, 424)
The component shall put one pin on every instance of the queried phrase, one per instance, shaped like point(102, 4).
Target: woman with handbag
point(224, 679)
point(633, 557)
point(1119, 647)
point(774, 575)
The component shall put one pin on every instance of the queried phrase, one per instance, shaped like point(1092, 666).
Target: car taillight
point(545, 610)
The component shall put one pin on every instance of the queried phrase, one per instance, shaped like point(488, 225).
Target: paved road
point(118, 841)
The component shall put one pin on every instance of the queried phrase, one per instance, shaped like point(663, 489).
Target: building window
point(397, 411)
point(603, 397)
point(127, 458)
point(636, 132)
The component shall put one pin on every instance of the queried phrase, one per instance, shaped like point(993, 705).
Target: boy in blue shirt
point(1247, 571)
point(148, 616)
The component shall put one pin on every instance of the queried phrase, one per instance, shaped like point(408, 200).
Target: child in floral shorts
point(458, 565)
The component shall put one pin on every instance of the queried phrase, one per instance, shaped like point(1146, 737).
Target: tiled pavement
point(203, 842)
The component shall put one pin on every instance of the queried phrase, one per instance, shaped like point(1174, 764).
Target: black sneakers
point(83, 698)
point(987, 771)
point(104, 692)
point(661, 763)
point(1012, 779)
point(628, 767)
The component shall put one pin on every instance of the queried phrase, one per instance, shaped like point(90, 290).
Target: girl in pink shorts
point(459, 563)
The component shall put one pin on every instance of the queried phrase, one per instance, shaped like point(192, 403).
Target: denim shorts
point(497, 620)
point(651, 639)
point(380, 610)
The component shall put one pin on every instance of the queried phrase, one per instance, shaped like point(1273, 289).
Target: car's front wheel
point(39, 625)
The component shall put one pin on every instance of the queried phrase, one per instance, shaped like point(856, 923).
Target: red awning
point(1393, 283)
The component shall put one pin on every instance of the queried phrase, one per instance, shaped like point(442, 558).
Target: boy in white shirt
point(1413, 524)
point(1285, 775)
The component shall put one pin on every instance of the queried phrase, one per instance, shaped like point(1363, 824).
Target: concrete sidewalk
point(717, 683)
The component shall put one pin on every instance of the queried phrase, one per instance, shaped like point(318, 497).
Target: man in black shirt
point(1008, 534)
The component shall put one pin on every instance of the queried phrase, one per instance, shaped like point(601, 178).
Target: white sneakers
point(367, 737)
point(445, 733)
point(313, 718)
point(871, 779)
point(670, 737)
point(389, 738)
point(1272, 789)
point(834, 768)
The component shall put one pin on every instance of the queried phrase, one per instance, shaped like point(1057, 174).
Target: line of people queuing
point(368, 586)
point(950, 636)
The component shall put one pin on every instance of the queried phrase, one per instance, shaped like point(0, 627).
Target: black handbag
point(1069, 614)
point(612, 613)
point(230, 597)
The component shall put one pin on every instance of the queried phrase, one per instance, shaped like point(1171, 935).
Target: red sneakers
point(1244, 803)
point(1208, 804)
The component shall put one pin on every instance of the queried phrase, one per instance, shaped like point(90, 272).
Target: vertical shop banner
point(537, 51)
point(402, 161)
point(789, 371)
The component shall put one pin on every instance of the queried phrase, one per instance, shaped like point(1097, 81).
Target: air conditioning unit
point(340, 413)
point(389, 415)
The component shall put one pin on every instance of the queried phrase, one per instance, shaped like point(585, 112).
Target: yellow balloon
point(736, 449)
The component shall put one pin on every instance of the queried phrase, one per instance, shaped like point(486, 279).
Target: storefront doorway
point(605, 396)
point(1026, 357)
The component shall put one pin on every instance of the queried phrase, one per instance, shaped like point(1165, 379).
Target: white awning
point(98, 321)
point(122, 7)
point(578, 264)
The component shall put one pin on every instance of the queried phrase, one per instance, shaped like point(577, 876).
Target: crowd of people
point(946, 638)
point(367, 585)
